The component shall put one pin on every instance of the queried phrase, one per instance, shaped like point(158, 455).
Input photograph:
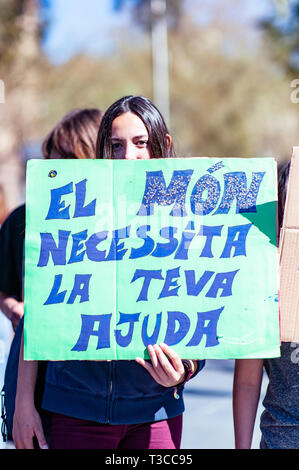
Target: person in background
point(279, 422)
point(74, 136)
point(115, 404)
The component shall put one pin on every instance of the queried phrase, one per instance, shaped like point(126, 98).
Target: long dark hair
point(151, 118)
point(283, 178)
point(74, 136)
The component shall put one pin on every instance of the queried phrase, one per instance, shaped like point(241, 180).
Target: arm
point(12, 309)
point(27, 423)
point(166, 367)
point(246, 393)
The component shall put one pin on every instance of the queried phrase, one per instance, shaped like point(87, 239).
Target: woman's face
point(129, 138)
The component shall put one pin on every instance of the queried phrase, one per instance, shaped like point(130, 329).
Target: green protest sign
point(121, 254)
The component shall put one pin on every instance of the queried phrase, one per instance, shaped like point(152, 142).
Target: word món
point(204, 199)
point(84, 245)
point(177, 328)
point(221, 282)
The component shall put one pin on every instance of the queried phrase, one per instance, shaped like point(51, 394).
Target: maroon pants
point(73, 433)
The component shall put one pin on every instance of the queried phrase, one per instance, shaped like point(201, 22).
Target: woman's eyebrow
point(119, 139)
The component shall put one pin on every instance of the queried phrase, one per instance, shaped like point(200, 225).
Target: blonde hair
point(74, 136)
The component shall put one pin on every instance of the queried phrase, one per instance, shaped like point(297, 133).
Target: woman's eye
point(142, 143)
point(116, 146)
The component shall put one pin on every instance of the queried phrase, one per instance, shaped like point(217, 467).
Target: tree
point(9, 28)
point(19, 63)
point(282, 30)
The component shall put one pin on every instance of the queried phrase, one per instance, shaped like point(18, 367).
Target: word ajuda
point(178, 327)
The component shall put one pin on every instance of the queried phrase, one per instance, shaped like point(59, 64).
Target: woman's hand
point(26, 421)
point(16, 313)
point(27, 425)
point(12, 309)
point(166, 368)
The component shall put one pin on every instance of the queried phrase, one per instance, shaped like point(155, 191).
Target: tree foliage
point(12, 14)
point(282, 30)
point(11, 11)
point(222, 104)
point(230, 103)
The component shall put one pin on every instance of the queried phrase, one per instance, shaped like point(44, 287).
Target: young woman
point(134, 128)
point(280, 418)
point(143, 408)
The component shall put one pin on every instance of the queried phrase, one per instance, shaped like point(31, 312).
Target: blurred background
point(225, 74)
point(221, 73)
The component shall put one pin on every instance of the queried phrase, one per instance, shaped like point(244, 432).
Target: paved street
point(208, 420)
point(208, 416)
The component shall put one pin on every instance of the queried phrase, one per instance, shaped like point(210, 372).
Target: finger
point(152, 355)
point(164, 364)
point(173, 356)
point(17, 442)
point(155, 369)
point(41, 437)
point(157, 362)
point(143, 363)
point(148, 367)
point(26, 442)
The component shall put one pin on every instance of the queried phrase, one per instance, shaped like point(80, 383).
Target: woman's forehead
point(128, 124)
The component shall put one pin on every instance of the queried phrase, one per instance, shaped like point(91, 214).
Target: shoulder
point(15, 220)
point(17, 216)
